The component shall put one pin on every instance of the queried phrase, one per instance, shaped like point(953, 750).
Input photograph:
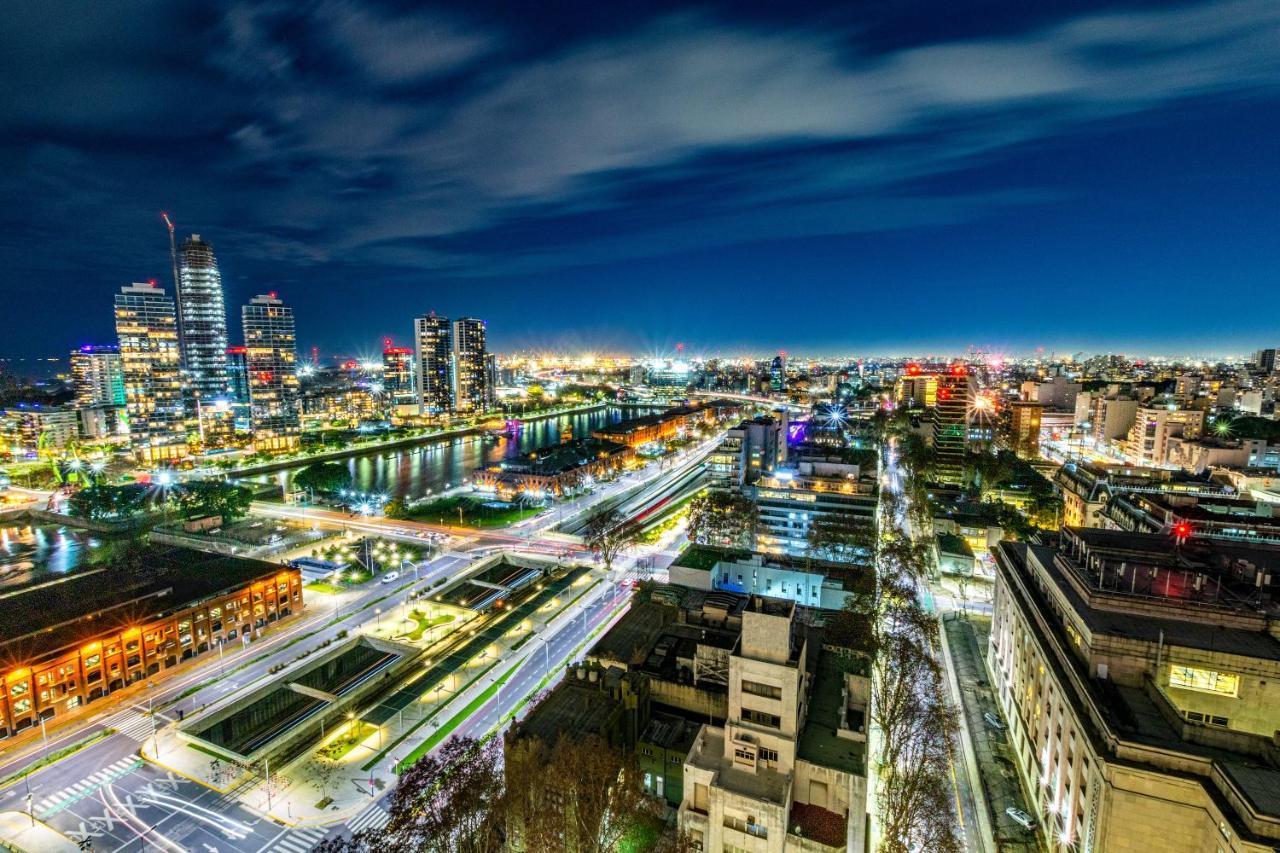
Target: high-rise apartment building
point(202, 321)
point(1153, 426)
point(433, 343)
point(1024, 427)
point(467, 367)
point(778, 373)
point(146, 323)
point(271, 359)
point(238, 374)
point(951, 422)
point(397, 373)
point(97, 377)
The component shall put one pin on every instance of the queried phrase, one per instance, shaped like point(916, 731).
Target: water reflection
point(429, 468)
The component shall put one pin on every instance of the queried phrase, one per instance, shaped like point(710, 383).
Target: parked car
point(1021, 818)
point(994, 721)
point(390, 576)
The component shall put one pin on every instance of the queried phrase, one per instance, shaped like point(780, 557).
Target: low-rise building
point(822, 584)
point(1140, 676)
point(75, 639)
point(554, 470)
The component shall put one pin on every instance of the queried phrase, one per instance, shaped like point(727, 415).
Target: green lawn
point(444, 731)
point(474, 512)
point(321, 586)
point(424, 624)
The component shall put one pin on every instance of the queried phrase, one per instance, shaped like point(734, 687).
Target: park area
point(471, 511)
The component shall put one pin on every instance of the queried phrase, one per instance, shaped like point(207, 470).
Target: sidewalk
point(20, 831)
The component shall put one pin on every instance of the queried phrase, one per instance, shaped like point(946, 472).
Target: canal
point(433, 467)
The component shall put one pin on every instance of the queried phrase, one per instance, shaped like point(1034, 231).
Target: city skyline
point(748, 152)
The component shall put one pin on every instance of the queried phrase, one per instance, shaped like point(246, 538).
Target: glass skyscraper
point(271, 355)
point(146, 324)
point(202, 321)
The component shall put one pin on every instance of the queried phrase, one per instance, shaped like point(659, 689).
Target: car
point(1021, 818)
point(390, 576)
point(994, 721)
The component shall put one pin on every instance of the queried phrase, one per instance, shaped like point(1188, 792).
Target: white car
point(1021, 818)
point(390, 576)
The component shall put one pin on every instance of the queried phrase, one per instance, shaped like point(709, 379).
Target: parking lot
point(996, 766)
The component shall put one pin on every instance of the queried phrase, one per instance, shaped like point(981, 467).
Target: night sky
point(875, 177)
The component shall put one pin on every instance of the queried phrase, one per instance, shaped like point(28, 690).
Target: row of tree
point(579, 794)
point(195, 499)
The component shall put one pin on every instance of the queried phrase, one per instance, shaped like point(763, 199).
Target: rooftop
point(559, 458)
point(820, 742)
point(949, 543)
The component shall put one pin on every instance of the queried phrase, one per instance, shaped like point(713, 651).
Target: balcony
point(813, 828)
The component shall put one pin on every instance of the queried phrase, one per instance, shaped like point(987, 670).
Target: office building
point(1105, 417)
point(1024, 428)
point(147, 326)
point(778, 373)
point(271, 359)
point(77, 638)
point(97, 376)
point(1140, 675)
point(202, 321)
point(433, 344)
point(467, 368)
point(238, 374)
point(1265, 360)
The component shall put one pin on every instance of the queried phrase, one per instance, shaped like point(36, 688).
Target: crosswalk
point(374, 817)
point(56, 802)
point(299, 840)
point(131, 724)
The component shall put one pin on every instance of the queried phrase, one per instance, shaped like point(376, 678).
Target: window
point(1218, 721)
point(760, 718)
point(19, 689)
point(744, 756)
point(22, 706)
point(1204, 680)
point(755, 688)
point(768, 754)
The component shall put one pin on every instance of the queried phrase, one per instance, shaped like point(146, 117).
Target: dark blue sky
point(863, 178)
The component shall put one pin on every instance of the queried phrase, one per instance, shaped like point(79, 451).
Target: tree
point(105, 503)
point(588, 804)
point(449, 801)
point(841, 537)
point(723, 518)
point(200, 498)
point(396, 508)
point(608, 534)
point(325, 771)
point(325, 477)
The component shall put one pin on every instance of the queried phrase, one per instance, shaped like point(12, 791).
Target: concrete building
point(787, 770)
point(748, 451)
point(147, 326)
point(950, 421)
point(820, 584)
point(1024, 428)
point(433, 346)
point(1105, 417)
point(790, 499)
point(397, 374)
point(1154, 426)
point(29, 428)
point(468, 371)
point(271, 354)
point(1057, 393)
point(1087, 486)
point(1140, 679)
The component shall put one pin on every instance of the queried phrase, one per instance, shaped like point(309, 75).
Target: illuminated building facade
point(202, 321)
point(433, 345)
point(1153, 426)
point(238, 374)
point(468, 372)
point(951, 418)
point(71, 641)
point(397, 373)
point(97, 376)
point(778, 373)
point(271, 359)
point(146, 323)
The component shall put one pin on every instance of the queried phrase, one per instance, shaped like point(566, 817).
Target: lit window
point(1204, 680)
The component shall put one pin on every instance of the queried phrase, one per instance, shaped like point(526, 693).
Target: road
point(107, 795)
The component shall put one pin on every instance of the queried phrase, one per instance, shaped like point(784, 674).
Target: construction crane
point(173, 250)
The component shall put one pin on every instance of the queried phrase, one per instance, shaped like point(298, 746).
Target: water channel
point(438, 465)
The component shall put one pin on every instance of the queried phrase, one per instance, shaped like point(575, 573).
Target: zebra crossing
point(374, 817)
point(131, 724)
point(71, 794)
point(299, 840)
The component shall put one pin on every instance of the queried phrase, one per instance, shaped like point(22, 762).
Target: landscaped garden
point(423, 623)
point(470, 512)
point(352, 736)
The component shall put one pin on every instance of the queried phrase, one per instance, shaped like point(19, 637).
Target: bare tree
point(608, 534)
point(722, 518)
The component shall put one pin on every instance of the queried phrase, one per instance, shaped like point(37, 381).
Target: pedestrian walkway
point(131, 723)
point(71, 794)
point(374, 817)
point(299, 840)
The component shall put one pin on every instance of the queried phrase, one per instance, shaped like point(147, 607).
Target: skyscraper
point(271, 360)
point(238, 374)
point(432, 339)
point(202, 321)
point(470, 378)
point(778, 373)
point(97, 376)
point(951, 422)
point(146, 322)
